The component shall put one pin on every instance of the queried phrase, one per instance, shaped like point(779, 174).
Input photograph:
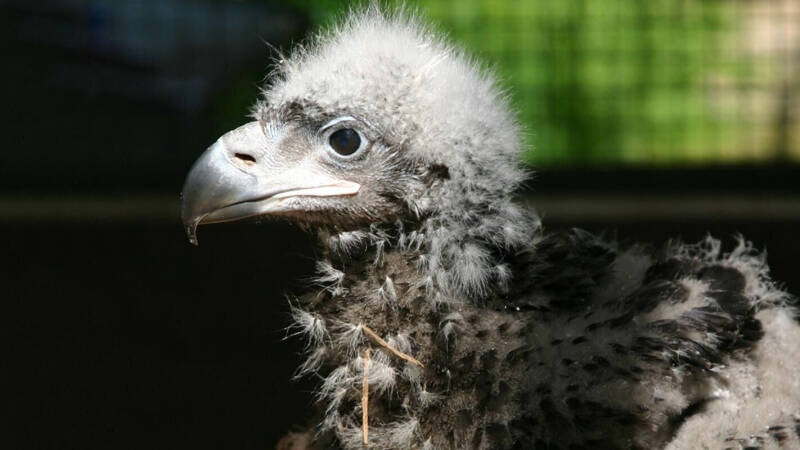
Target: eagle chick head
point(375, 120)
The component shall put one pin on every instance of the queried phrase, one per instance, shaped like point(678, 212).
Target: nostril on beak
point(245, 158)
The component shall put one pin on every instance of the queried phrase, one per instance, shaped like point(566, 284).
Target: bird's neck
point(464, 258)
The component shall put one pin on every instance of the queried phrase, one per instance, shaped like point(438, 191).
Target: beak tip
point(191, 232)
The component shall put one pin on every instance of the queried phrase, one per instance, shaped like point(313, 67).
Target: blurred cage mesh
point(601, 82)
point(596, 82)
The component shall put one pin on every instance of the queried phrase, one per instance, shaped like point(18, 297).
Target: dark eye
point(345, 141)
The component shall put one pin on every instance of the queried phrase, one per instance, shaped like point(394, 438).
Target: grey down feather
point(527, 338)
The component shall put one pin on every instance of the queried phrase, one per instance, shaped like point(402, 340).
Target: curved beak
point(241, 175)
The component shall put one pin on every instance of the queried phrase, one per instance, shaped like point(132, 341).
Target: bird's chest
point(430, 369)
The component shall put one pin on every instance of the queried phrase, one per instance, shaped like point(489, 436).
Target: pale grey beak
point(241, 175)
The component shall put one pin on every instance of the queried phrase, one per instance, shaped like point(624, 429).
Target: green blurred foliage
point(608, 82)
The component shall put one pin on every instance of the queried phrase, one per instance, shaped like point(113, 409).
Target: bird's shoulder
point(675, 288)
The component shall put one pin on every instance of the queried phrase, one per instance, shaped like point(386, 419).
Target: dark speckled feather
point(581, 358)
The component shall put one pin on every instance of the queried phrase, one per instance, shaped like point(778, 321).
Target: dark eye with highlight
point(345, 141)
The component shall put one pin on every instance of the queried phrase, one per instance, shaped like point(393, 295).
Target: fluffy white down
point(754, 396)
point(414, 85)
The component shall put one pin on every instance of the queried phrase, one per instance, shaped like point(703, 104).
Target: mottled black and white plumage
point(403, 155)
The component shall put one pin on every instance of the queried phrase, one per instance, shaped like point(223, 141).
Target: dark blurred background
point(646, 120)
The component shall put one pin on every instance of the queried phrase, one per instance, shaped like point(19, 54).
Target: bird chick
point(485, 331)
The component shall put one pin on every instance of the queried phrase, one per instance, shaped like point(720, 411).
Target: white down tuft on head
point(439, 109)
